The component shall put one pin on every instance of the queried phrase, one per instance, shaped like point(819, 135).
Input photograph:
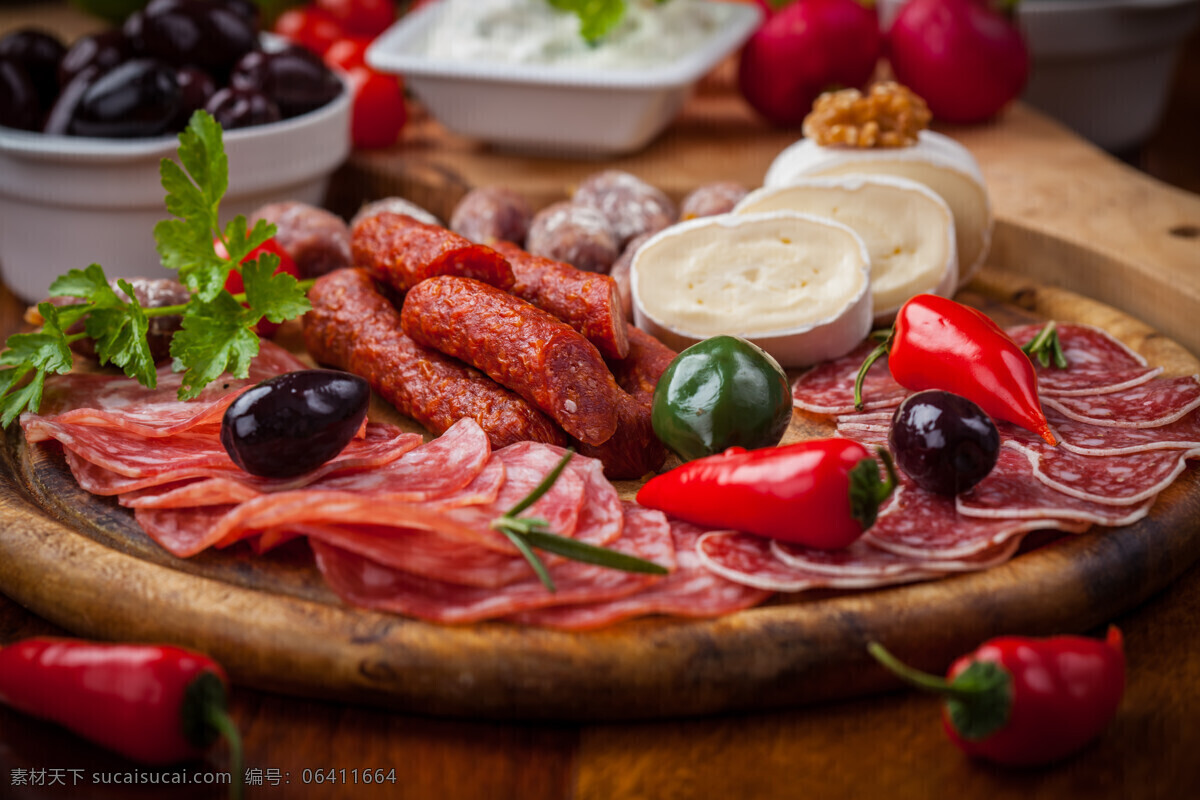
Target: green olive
point(720, 393)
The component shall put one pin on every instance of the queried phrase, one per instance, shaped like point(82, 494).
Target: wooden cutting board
point(82, 563)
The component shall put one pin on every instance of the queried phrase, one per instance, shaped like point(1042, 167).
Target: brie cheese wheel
point(796, 285)
point(908, 230)
point(937, 161)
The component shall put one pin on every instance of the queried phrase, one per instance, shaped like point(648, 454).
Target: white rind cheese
point(937, 161)
point(907, 227)
point(796, 285)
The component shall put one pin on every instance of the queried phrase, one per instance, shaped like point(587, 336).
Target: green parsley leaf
point(43, 352)
point(118, 327)
point(215, 338)
point(596, 17)
point(278, 297)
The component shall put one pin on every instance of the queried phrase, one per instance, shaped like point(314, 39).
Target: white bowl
point(70, 201)
point(1101, 67)
point(551, 109)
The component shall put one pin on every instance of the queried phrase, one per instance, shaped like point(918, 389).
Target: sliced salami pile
point(395, 524)
point(1125, 433)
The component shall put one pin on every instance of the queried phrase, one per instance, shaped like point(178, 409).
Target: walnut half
point(889, 115)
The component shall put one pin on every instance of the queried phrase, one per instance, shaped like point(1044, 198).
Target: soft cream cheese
point(937, 161)
point(794, 284)
point(907, 228)
point(534, 32)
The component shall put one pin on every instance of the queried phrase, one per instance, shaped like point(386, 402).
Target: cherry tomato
point(348, 53)
point(362, 17)
point(379, 113)
point(234, 285)
point(310, 27)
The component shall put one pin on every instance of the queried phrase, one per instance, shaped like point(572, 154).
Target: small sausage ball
point(631, 205)
point(491, 213)
point(577, 235)
point(395, 205)
point(711, 199)
point(316, 239)
point(620, 273)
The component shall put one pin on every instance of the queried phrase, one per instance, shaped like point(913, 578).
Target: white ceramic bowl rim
point(396, 51)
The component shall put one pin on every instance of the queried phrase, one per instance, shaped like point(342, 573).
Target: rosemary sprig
point(530, 533)
point(1046, 347)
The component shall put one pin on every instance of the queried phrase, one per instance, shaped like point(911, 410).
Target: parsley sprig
point(217, 333)
point(597, 18)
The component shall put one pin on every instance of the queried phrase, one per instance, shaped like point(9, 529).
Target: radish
point(966, 59)
point(804, 49)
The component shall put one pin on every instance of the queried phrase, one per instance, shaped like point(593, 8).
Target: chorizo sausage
point(587, 301)
point(521, 347)
point(634, 449)
point(648, 359)
point(353, 326)
point(401, 251)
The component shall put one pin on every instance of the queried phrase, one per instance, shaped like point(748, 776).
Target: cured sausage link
point(634, 449)
point(587, 301)
point(353, 326)
point(648, 359)
point(521, 347)
point(401, 252)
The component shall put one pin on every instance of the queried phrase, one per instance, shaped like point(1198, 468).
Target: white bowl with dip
point(70, 201)
point(516, 73)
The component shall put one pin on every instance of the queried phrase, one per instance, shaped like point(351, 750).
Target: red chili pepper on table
point(1022, 701)
point(937, 343)
point(822, 493)
point(155, 704)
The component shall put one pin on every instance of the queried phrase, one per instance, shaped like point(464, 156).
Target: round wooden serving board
point(82, 563)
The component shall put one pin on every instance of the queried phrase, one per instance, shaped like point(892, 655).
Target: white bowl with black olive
point(80, 184)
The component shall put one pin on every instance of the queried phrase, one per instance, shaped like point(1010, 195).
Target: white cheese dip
point(534, 32)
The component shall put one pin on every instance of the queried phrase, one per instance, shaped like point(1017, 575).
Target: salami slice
point(1149, 405)
point(115, 401)
point(1011, 492)
point(362, 582)
point(829, 388)
point(1079, 382)
point(1086, 347)
point(1117, 480)
point(690, 591)
point(108, 461)
point(922, 525)
point(748, 559)
point(423, 553)
point(1092, 440)
point(863, 559)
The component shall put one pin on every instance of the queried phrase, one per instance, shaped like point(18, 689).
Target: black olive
point(209, 35)
point(135, 99)
point(241, 108)
point(101, 50)
point(944, 442)
point(197, 88)
point(293, 423)
point(39, 53)
point(294, 77)
point(18, 97)
point(62, 113)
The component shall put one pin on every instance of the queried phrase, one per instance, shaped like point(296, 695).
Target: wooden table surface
point(890, 745)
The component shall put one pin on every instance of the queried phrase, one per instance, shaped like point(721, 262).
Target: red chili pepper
point(1023, 701)
point(937, 343)
point(155, 704)
point(822, 493)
